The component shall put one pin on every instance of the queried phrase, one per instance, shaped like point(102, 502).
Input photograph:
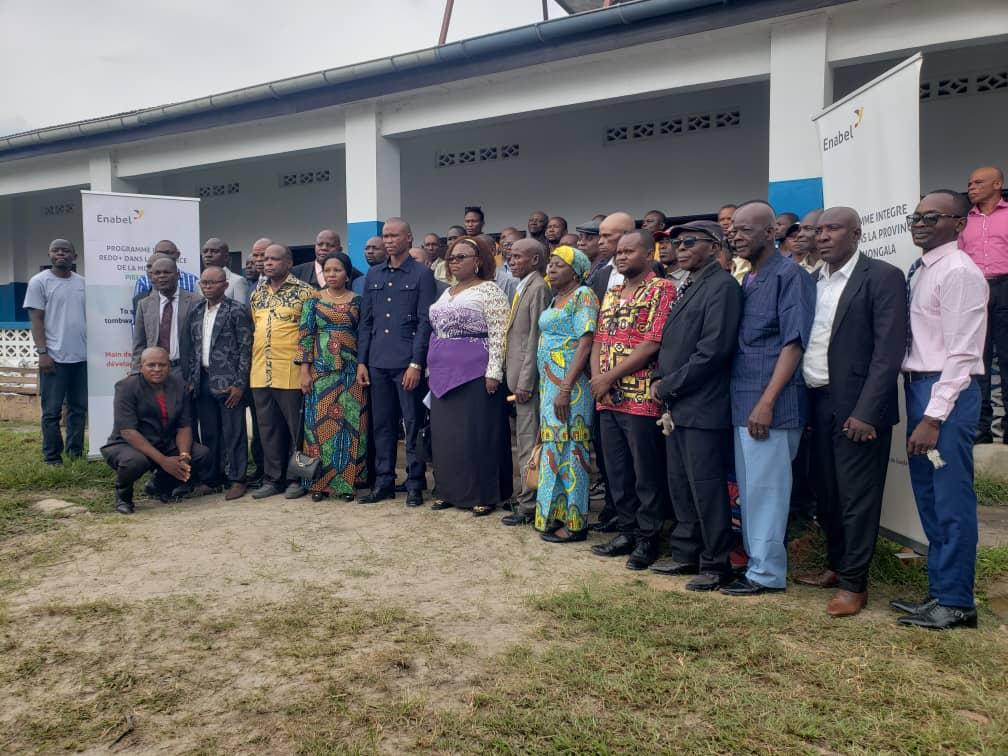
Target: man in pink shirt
point(985, 240)
point(947, 298)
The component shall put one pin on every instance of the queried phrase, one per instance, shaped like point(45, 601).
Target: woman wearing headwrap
point(335, 408)
point(566, 329)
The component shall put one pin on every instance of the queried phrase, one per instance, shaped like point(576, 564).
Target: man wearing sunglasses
point(667, 254)
point(691, 380)
point(944, 356)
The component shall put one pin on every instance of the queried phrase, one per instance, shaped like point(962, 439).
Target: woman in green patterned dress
point(335, 415)
point(566, 328)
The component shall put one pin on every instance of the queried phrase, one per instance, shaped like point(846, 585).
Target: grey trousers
point(527, 434)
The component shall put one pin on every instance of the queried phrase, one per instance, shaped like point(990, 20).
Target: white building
point(678, 105)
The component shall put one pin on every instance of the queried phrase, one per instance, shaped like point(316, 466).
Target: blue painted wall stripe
point(357, 235)
point(796, 196)
point(11, 298)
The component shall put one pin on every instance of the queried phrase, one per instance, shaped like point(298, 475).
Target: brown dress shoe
point(846, 603)
point(236, 491)
point(824, 579)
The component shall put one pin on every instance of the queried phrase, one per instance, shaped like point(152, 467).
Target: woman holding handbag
point(335, 407)
point(470, 435)
point(566, 329)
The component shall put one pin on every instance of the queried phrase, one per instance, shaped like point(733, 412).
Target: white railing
point(17, 348)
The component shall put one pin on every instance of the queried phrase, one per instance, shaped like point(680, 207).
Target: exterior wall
point(566, 167)
point(291, 215)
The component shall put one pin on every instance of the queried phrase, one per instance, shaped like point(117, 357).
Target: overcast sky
point(66, 60)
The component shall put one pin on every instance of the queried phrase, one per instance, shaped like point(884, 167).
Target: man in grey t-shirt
point(55, 304)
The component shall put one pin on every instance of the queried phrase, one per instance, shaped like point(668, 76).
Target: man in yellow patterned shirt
point(276, 385)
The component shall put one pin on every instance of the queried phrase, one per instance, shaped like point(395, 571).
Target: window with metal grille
point(478, 155)
point(60, 208)
point(721, 119)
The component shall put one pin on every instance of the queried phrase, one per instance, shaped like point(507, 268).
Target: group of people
point(656, 363)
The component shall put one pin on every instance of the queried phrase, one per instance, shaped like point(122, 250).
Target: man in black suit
point(161, 317)
point(692, 381)
point(326, 241)
point(221, 333)
point(152, 429)
point(853, 357)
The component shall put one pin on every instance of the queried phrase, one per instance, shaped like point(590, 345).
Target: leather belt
point(910, 376)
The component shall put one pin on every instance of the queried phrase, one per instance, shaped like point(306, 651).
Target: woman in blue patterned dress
point(566, 329)
point(335, 416)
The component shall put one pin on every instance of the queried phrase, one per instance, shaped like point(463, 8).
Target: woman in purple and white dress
point(470, 435)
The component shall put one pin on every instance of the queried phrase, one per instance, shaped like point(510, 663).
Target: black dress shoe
point(644, 553)
point(124, 507)
point(151, 489)
point(621, 545)
point(414, 499)
point(124, 499)
point(517, 519)
point(319, 496)
point(377, 494)
point(400, 487)
point(608, 526)
point(746, 587)
point(983, 437)
point(911, 607)
point(934, 616)
point(440, 504)
point(708, 581)
point(180, 492)
point(482, 510)
point(674, 567)
point(573, 536)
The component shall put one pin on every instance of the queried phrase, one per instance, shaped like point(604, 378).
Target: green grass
point(24, 478)
point(991, 491)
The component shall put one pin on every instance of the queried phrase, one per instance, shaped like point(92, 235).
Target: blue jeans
point(66, 383)
point(763, 472)
point(945, 498)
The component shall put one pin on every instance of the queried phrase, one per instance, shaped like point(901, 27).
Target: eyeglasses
point(928, 219)
point(688, 241)
point(458, 258)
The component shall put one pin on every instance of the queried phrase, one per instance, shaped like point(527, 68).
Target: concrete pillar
point(104, 174)
point(801, 84)
point(372, 179)
point(10, 288)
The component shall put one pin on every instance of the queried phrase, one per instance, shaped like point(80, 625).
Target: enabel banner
point(870, 147)
point(120, 232)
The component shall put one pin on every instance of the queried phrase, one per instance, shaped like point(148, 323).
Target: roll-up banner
point(120, 232)
point(870, 146)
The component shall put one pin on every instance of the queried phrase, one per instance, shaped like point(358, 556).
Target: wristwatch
point(416, 366)
point(43, 350)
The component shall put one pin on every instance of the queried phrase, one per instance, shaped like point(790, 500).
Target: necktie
point(164, 330)
point(909, 293)
point(163, 405)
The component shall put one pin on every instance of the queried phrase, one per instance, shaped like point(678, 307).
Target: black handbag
point(302, 466)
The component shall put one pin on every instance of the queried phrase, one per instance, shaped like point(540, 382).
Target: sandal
point(441, 504)
point(482, 510)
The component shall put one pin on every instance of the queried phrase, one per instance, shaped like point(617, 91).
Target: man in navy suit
point(392, 353)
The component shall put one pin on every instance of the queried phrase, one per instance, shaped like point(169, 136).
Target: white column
point(104, 174)
point(372, 178)
point(801, 84)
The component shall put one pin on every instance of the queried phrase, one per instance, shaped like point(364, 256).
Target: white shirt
point(237, 288)
point(615, 278)
point(829, 288)
point(173, 351)
point(209, 317)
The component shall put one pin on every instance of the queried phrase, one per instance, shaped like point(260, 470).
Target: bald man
point(216, 253)
point(603, 275)
point(187, 281)
point(985, 240)
point(854, 353)
point(152, 430)
point(326, 242)
point(769, 405)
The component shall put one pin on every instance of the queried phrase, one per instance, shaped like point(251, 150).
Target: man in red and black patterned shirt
point(624, 354)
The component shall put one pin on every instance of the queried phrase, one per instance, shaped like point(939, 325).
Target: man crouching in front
point(152, 429)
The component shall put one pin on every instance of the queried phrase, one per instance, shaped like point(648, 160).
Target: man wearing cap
point(692, 380)
point(667, 256)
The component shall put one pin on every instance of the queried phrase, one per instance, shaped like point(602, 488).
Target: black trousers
point(392, 403)
point(257, 450)
point(609, 509)
point(848, 479)
point(699, 491)
point(996, 343)
point(130, 464)
point(222, 430)
point(635, 465)
point(279, 415)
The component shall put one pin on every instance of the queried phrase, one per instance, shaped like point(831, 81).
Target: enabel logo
point(129, 220)
point(845, 135)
